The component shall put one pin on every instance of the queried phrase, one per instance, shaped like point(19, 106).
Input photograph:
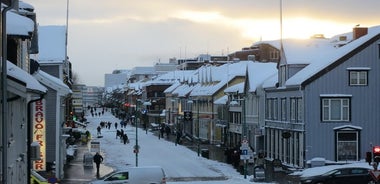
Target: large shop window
point(347, 145)
point(336, 108)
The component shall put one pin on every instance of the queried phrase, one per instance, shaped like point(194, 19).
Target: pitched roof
point(332, 59)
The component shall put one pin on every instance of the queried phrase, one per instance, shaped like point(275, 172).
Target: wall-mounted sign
point(39, 133)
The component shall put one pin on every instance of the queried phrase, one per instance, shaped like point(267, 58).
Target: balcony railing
point(286, 125)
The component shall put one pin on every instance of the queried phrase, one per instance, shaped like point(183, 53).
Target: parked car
point(135, 175)
point(348, 175)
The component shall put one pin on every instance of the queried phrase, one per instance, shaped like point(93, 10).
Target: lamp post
point(198, 128)
point(244, 146)
point(145, 117)
point(136, 148)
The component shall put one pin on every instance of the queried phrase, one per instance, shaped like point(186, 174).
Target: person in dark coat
point(178, 137)
point(99, 130)
point(167, 131)
point(98, 159)
point(118, 133)
point(125, 138)
point(162, 130)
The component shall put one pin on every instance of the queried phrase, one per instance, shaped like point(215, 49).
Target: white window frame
point(344, 146)
point(342, 106)
point(358, 77)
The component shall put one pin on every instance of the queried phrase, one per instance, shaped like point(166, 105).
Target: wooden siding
point(320, 136)
point(51, 124)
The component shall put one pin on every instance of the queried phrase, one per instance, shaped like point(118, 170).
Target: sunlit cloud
point(196, 16)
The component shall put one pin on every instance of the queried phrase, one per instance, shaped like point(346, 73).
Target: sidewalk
point(76, 173)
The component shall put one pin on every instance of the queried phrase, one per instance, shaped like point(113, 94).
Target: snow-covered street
point(181, 164)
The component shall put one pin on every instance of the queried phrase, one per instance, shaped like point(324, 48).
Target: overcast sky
point(122, 34)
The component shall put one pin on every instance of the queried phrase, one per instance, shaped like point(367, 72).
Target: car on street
point(344, 175)
point(135, 175)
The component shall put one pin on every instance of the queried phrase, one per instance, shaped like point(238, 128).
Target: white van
point(135, 175)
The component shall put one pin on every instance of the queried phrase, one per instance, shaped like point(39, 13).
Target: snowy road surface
point(182, 165)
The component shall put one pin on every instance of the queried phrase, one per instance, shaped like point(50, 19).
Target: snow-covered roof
point(19, 25)
point(303, 51)
point(52, 44)
point(22, 6)
point(31, 83)
point(222, 100)
point(321, 61)
point(143, 70)
point(271, 81)
point(171, 88)
point(53, 82)
point(235, 88)
point(213, 78)
point(260, 72)
point(183, 90)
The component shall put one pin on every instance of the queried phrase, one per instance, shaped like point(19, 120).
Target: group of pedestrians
point(123, 136)
point(164, 129)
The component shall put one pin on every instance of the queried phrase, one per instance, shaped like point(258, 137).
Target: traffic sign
point(375, 174)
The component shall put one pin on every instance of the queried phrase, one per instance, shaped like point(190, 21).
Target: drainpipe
point(4, 91)
point(29, 135)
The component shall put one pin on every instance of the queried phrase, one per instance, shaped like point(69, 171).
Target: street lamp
point(244, 148)
point(145, 115)
point(136, 147)
point(198, 141)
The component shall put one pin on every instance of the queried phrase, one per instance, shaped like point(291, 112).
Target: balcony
point(286, 125)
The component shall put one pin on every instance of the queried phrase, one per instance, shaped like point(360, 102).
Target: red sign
point(375, 174)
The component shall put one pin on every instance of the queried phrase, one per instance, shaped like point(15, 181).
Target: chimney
point(359, 32)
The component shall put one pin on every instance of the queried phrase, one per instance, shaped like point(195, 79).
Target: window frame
point(345, 115)
point(338, 142)
point(355, 77)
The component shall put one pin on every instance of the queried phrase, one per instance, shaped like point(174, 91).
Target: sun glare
point(299, 28)
point(196, 16)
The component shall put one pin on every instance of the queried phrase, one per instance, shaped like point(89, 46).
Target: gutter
point(29, 136)
point(4, 90)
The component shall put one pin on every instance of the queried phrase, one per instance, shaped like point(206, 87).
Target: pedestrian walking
point(118, 133)
point(162, 130)
point(97, 159)
point(115, 125)
point(99, 130)
point(178, 137)
point(109, 125)
point(167, 131)
point(125, 139)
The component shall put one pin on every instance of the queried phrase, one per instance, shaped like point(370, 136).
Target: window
point(299, 110)
point(283, 109)
point(347, 145)
point(274, 54)
point(296, 109)
point(275, 109)
point(293, 109)
point(358, 78)
point(335, 109)
point(272, 106)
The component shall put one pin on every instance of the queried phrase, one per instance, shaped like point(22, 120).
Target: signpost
point(375, 175)
point(244, 155)
point(95, 146)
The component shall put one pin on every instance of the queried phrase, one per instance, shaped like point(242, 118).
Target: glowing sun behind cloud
point(268, 29)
